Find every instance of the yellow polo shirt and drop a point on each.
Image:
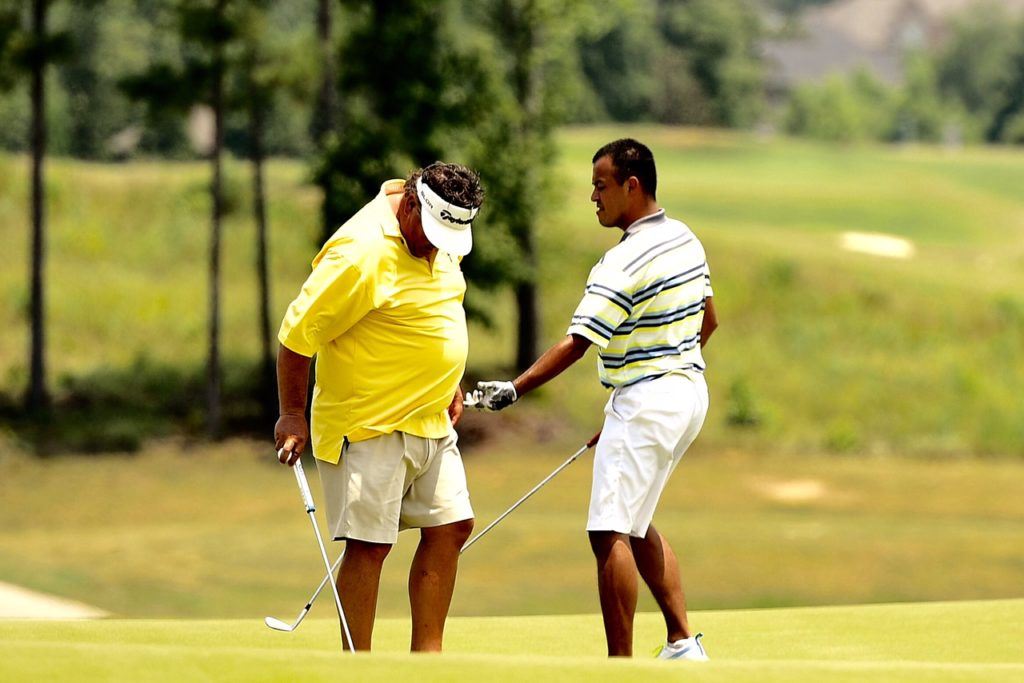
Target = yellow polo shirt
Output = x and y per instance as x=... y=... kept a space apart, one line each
x=388 y=331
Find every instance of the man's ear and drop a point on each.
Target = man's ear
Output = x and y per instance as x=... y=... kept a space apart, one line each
x=408 y=203
x=632 y=183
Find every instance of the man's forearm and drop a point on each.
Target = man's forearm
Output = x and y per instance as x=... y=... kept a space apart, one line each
x=292 y=381
x=554 y=361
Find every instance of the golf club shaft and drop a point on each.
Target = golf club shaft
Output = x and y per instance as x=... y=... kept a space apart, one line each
x=307 y=498
x=319 y=589
x=532 y=491
x=323 y=582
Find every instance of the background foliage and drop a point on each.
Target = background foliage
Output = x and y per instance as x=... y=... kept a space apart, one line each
x=669 y=61
x=489 y=83
x=820 y=350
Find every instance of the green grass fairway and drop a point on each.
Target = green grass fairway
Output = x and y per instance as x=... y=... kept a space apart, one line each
x=958 y=641
x=203 y=531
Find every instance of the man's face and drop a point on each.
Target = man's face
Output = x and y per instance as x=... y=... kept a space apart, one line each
x=411 y=225
x=610 y=196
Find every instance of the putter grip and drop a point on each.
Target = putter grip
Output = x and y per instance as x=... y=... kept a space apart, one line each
x=300 y=476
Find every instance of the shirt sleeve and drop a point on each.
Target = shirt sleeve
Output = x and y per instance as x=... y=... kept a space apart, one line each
x=606 y=303
x=707 y=281
x=335 y=296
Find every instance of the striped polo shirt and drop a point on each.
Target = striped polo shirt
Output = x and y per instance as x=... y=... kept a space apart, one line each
x=644 y=303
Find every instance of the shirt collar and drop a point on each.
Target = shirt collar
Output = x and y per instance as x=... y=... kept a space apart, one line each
x=648 y=220
x=388 y=219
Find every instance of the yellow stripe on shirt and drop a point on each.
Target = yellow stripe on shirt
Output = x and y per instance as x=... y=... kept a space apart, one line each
x=644 y=304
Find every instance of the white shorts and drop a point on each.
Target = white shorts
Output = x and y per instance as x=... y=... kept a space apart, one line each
x=393 y=482
x=647 y=428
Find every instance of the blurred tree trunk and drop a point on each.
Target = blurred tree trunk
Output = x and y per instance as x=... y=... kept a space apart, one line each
x=526 y=305
x=213 y=375
x=37 y=398
x=268 y=384
x=325 y=114
x=520 y=38
x=1012 y=107
x=394 y=118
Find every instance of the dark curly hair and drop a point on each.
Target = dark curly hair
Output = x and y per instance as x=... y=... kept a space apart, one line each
x=456 y=184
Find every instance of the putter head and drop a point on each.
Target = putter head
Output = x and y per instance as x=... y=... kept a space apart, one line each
x=278 y=625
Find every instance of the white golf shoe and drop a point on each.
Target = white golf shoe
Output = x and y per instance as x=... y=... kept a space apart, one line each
x=687 y=648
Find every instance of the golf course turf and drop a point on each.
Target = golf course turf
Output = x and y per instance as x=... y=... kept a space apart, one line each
x=860 y=455
x=956 y=641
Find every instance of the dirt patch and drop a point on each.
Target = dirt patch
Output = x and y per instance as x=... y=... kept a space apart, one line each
x=21 y=603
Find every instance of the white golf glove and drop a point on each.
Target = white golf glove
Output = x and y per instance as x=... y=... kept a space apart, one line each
x=492 y=396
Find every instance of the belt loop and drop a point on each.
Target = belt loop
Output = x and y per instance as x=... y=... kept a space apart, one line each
x=344 y=446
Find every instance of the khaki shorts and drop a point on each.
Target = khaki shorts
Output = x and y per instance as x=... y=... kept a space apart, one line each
x=394 y=482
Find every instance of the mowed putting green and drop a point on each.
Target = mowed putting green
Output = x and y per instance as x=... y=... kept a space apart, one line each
x=962 y=641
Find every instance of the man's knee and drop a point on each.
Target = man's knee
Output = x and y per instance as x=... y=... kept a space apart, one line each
x=651 y=541
x=603 y=542
x=369 y=552
x=459 y=531
x=456 y=533
x=463 y=529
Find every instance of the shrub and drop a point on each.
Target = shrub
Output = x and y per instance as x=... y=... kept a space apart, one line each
x=742 y=410
x=841 y=109
x=1013 y=134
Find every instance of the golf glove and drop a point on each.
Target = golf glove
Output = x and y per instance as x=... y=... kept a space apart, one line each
x=494 y=395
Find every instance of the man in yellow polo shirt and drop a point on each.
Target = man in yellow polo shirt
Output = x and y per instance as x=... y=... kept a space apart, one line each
x=382 y=312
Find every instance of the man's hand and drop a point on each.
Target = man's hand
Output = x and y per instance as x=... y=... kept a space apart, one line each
x=493 y=395
x=290 y=436
x=455 y=407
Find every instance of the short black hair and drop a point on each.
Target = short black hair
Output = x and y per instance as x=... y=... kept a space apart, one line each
x=631 y=158
x=455 y=184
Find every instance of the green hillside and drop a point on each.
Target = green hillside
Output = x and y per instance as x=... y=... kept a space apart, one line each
x=967 y=641
x=820 y=349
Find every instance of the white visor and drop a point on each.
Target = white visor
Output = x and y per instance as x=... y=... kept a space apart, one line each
x=447 y=226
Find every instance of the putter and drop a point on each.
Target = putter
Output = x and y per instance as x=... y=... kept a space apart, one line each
x=572 y=458
x=279 y=625
x=307 y=499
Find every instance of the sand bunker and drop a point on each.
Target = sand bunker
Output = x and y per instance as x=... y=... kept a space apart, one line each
x=21 y=603
x=794 y=491
x=877 y=244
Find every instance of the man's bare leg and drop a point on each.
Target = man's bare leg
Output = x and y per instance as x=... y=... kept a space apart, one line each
x=617 y=587
x=660 y=570
x=358 y=583
x=432 y=582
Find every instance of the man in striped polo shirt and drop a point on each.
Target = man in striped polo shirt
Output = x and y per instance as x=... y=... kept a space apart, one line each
x=648 y=308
